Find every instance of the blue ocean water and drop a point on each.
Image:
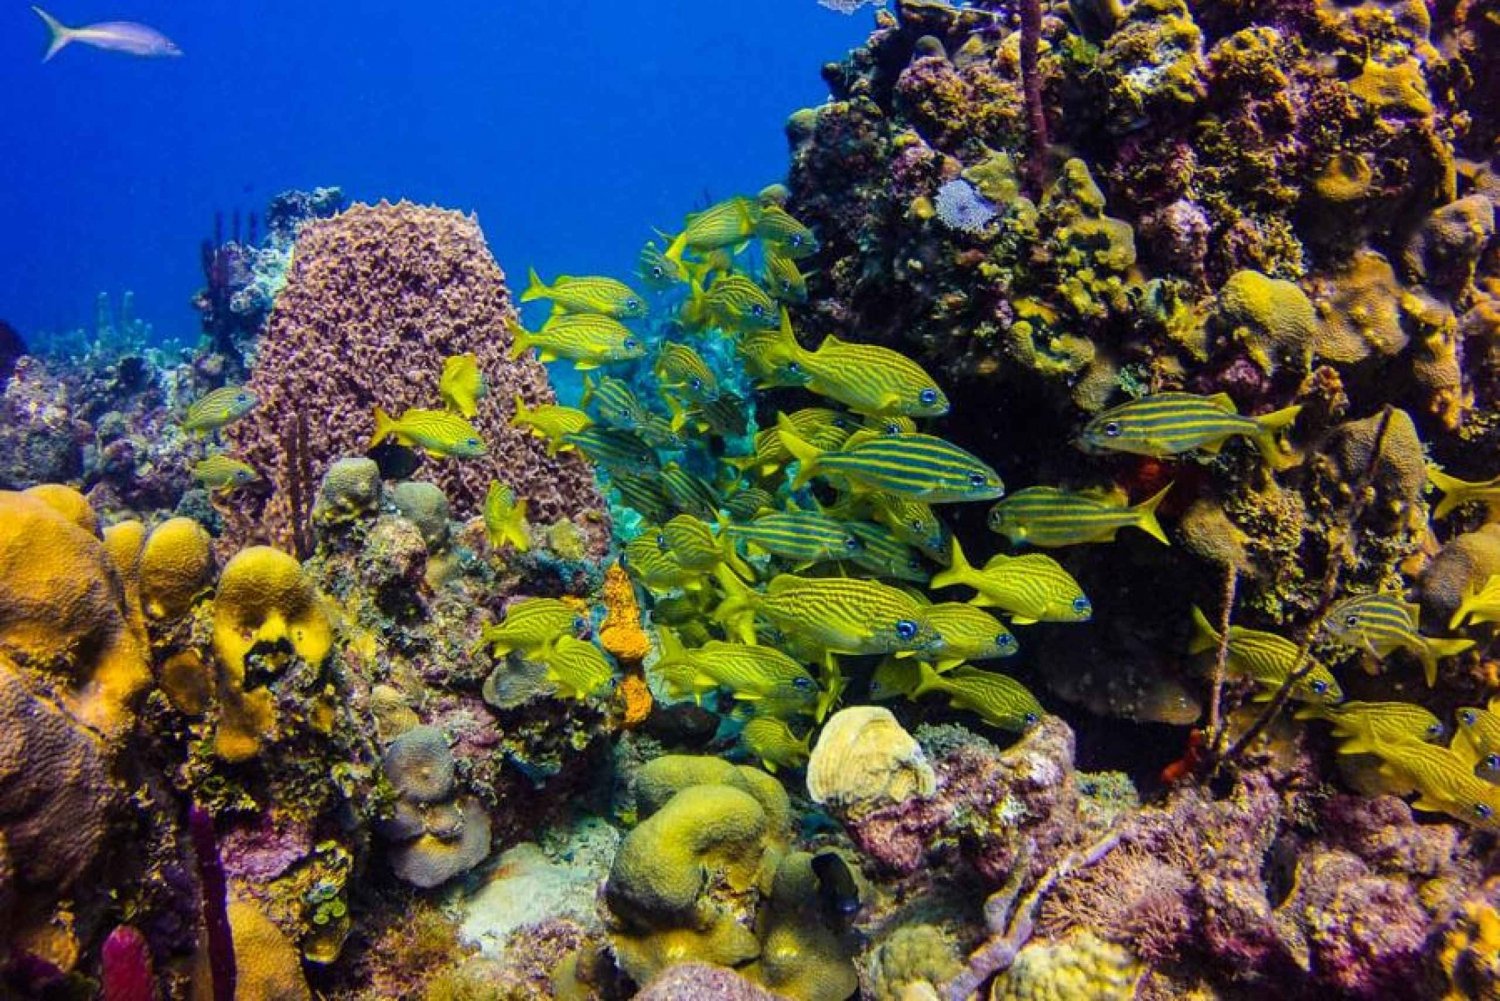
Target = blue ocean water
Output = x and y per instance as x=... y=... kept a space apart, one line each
x=570 y=128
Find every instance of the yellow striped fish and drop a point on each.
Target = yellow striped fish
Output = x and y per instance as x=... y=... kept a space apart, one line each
x=505 y=517
x=1443 y=780
x=1482 y=605
x=818 y=426
x=1380 y=624
x=1266 y=659
x=657 y=270
x=745 y=504
x=883 y=554
x=834 y=614
x=870 y=379
x=681 y=369
x=724 y=417
x=969 y=633
x=644 y=494
x=1030 y=588
x=550 y=422
x=895 y=676
x=693 y=542
x=1478 y=737
x=771 y=356
x=782 y=277
x=919 y=466
x=776 y=683
x=1456 y=492
x=777 y=227
x=772 y=741
x=461 y=385
x=577 y=667
x=689 y=493
x=617 y=451
x=586 y=339
x=217 y=408
x=614 y=403
x=734 y=302
x=998 y=699
x=1049 y=517
x=436 y=432
x=532 y=624
x=721 y=225
x=804 y=537
x=914 y=522
x=1363 y=726
x=223 y=473
x=591 y=294
x=1174 y=423
x=654 y=566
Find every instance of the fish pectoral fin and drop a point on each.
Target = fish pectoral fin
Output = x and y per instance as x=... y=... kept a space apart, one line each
x=1023 y=620
x=1222 y=401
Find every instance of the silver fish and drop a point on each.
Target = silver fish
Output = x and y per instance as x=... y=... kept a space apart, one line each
x=114 y=36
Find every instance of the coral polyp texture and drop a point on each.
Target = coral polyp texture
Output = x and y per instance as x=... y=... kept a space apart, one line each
x=375 y=299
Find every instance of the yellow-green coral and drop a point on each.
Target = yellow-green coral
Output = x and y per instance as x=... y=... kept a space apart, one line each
x=1273 y=319
x=176 y=565
x=1401 y=88
x=1080 y=966
x=1360 y=309
x=1347 y=177
x=800 y=956
x=662 y=778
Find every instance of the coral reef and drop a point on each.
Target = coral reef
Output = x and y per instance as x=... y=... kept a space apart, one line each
x=376 y=298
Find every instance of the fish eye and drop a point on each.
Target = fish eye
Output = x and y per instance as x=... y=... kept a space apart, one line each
x=658 y=271
x=914 y=565
x=1319 y=687
x=928 y=396
x=786 y=285
x=1467 y=716
x=632 y=304
x=793 y=367
x=850 y=542
x=1004 y=640
x=631 y=344
x=1436 y=730
x=1351 y=620
x=579 y=624
x=661 y=541
x=1111 y=429
x=1081 y=606
x=978 y=479
x=1032 y=719
x=1492 y=761
x=1483 y=811
x=696 y=383
x=906 y=629
x=916 y=524
x=803 y=684
x=624 y=558
x=473 y=442
x=796 y=240
x=242 y=397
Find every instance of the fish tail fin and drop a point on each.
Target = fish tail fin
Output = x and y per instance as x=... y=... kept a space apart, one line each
x=1452 y=489
x=674 y=249
x=1465 y=608
x=520 y=413
x=1145 y=511
x=959 y=567
x=805 y=453
x=590 y=390
x=1267 y=427
x=61 y=34
x=928 y=679
x=1435 y=649
x=732 y=559
x=1205 y=636
x=737 y=611
x=385 y=426
x=520 y=337
x=535 y=287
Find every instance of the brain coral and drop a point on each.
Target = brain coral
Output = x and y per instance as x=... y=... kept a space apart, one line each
x=377 y=297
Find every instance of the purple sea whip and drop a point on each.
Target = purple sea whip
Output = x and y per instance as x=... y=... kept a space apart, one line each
x=1031 y=86
x=215 y=902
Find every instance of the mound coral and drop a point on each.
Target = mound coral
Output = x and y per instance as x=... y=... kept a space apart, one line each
x=376 y=298
x=176 y=565
x=64 y=608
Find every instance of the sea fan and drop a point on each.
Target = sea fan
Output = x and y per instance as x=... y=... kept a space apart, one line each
x=960 y=206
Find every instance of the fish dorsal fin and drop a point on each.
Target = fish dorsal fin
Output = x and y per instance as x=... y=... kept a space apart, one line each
x=830 y=341
x=1222 y=401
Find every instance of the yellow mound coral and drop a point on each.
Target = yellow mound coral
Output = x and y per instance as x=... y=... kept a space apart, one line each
x=1347 y=178
x=662 y=778
x=864 y=759
x=67 y=502
x=1361 y=311
x=1273 y=319
x=64 y=609
x=621 y=634
x=267 y=967
x=264 y=600
x=1080 y=966
x=1400 y=89
x=176 y=565
x=800 y=955
x=123 y=541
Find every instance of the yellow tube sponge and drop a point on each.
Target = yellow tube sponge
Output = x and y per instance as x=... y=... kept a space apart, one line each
x=177 y=564
x=264 y=600
x=64 y=610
